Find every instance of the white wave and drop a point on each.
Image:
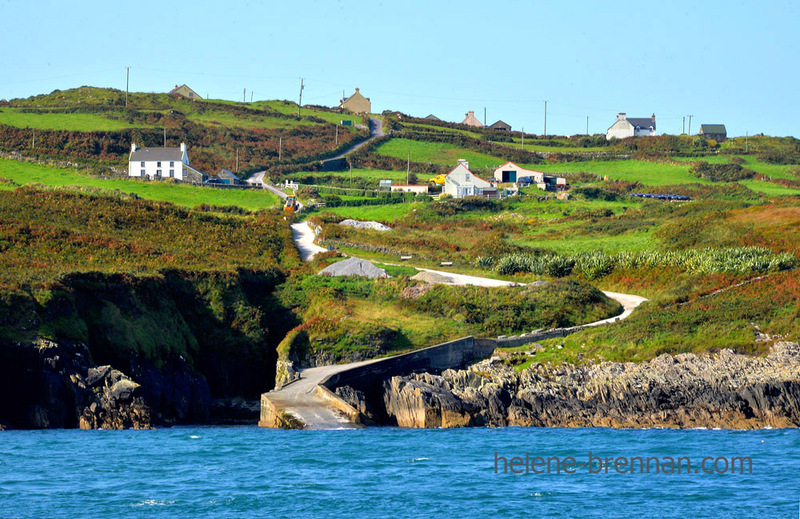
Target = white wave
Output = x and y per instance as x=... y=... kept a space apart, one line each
x=154 y=502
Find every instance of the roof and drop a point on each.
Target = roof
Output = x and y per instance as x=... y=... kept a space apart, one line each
x=162 y=154
x=228 y=173
x=468 y=171
x=177 y=89
x=520 y=168
x=642 y=122
x=500 y=124
x=432 y=117
x=713 y=128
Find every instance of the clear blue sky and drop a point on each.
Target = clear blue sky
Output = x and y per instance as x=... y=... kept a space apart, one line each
x=730 y=62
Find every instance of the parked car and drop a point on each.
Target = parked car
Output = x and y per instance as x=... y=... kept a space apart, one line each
x=524 y=181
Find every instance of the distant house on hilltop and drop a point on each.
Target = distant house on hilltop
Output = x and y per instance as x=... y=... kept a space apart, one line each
x=500 y=125
x=157 y=163
x=185 y=91
x=461 y=182
x=356 y=103
x=471 y=120
x=432 y=117
x=716 y=132
x=625 y=127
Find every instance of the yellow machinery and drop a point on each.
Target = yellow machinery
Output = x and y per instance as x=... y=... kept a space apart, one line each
x=291 y=204
x=438 y=180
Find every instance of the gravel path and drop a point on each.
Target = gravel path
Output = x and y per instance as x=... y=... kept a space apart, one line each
x=304 y=239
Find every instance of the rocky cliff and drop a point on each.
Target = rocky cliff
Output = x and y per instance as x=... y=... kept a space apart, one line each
x=725 y=389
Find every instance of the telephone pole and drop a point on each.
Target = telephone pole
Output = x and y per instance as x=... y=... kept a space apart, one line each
x=127 y=83
x=251 y=96
x=300 y=102
x=545 y=119
x=237 y=161
x=280 y=147
x=523 y=138
x=337 y=134
x=165 y=136
x=683 y=131
x=484 y=116
x=690 y=123
x=408 y=167
x=587 y=125
x=244 y=95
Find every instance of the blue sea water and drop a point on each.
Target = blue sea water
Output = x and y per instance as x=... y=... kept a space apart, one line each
x=231 y=472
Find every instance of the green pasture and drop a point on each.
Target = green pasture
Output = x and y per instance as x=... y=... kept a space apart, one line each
x=437 y=153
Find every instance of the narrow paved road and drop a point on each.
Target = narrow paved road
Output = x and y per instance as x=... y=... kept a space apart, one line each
x=375 y=131
x=300 y=398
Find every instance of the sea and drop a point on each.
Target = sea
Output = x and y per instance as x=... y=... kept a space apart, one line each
x=232 y=472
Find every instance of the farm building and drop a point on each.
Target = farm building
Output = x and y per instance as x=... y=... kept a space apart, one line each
x=471 y=120
x=185 y=91
x=461 y=182
x=158 y=163
x=510 y=172
x=228 y=177
x=501 y=126
x=410 y=188
x=625 y=127
x=432 y=117
x=356 y=103
x=716 y=132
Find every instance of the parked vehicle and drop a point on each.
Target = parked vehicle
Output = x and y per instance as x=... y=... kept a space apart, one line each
x=437 y=180
x=291 y=204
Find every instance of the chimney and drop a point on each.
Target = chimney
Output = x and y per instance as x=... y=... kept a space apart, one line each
x=621 y=116
x=183 y=148
x=464 y=161
x=176 y=86
x=654 y=118
x=356 y=90
x=133 y=147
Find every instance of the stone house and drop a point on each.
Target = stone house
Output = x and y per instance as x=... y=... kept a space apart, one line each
x=625 y=127
x=500 y=125
x=356 y=103
x=716 y=132
x=471 y=120
x=186 y=92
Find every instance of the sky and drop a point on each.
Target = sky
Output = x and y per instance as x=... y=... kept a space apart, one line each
x=727 y=62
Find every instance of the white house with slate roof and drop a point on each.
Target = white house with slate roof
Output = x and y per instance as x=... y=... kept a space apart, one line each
x=626 y=127
x=159 y=162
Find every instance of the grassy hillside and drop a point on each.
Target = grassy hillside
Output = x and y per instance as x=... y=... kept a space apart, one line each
x=25 y=173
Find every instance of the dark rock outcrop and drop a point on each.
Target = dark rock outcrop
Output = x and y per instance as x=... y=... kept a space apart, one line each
x=117 y=403
x=721 y=390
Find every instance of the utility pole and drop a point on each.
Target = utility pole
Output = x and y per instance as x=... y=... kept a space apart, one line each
x=237 y=161
x=484 y=116
x=127 y=83
x=300 y=102
x=244 y=95
x=408 y=167
x=337 y=134
x=587 y=125
x=746 y=135
x=33 y=144
x=683 y=131
x=545 y=119
x=690 y=123
x=251 y=96
x=351 y=174
x=523 y=138
x=280 y=147
x=165 y=136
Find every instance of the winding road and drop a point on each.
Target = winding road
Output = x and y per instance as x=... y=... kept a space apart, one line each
x=301 y=398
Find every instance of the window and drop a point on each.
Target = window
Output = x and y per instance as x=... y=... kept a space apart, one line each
x=158 y=165
x=158 y=173
x=171 y=173
x=142 y=163
x=142 y=172
x=172 y=164
x=466 y=177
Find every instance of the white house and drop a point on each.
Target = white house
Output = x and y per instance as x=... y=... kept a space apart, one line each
x=462 y=182
x=625 y=127
x=159 y=162
x=410 y=188
x=510 y=172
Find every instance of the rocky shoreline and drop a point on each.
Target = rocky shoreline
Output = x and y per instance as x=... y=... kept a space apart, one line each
x=725 y=389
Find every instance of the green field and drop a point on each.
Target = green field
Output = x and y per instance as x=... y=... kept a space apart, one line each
x=768 y=188
x=431 y=127
x=78 y=122
x=380 y=213
x=181 y=194
x=287 y=107
x=358 y=173
x=648 y=173
x=437 y=153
